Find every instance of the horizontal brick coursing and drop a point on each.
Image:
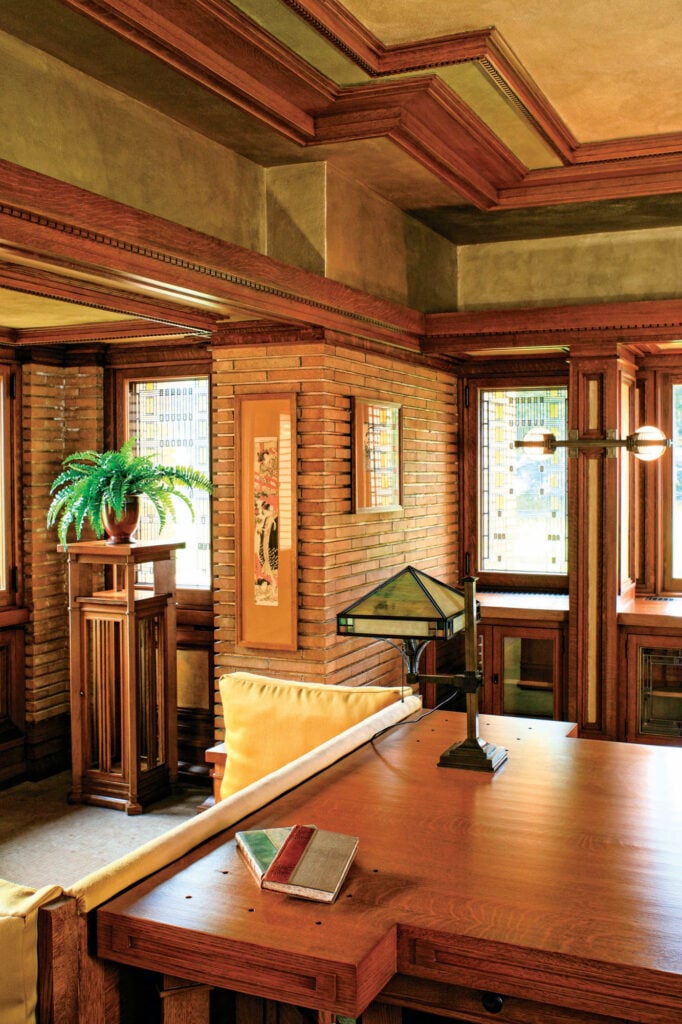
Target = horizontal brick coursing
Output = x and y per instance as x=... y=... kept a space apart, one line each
x=341 y=554
x=62 y=412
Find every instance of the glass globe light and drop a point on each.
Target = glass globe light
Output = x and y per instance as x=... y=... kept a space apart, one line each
x=650 y=450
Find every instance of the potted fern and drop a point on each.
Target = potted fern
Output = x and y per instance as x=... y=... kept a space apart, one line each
x=104 y=488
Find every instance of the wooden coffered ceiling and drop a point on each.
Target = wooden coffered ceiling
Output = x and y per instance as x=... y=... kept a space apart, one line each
x=486 y=120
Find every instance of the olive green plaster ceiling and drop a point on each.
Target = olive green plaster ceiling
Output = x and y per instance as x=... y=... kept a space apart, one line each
x=607 y=74
x=18 y=308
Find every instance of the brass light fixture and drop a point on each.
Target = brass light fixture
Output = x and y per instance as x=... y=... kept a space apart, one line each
x=646 y=443
x=415 y=608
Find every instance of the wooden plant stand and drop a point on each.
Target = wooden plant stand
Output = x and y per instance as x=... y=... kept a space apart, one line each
x=123 y=674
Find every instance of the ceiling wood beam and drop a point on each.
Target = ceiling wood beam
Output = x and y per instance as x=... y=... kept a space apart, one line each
x=44 y=283
x=222 y=50
x=425 y=118
x=72 y=231
x=127 y=331
x=457 y=334
x=615 y=179
x=217 y=46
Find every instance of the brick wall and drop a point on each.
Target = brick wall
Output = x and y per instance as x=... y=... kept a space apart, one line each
x=62 y=413
x=341 y=555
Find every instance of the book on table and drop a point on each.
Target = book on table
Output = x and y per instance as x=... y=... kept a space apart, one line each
x=259 y=846
x=310 y=862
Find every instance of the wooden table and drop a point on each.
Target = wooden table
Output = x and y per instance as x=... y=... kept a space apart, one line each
x=555 y=883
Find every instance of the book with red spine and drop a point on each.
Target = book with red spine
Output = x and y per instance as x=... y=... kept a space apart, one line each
x=259 y=848
x=312 y=863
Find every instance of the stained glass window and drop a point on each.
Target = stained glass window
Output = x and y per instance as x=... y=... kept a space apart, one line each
x=522 y=511
x=171 y=421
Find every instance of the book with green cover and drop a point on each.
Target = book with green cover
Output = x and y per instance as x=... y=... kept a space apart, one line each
x=259 y=847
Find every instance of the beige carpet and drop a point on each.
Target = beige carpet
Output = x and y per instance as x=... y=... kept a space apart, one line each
x=45 y=840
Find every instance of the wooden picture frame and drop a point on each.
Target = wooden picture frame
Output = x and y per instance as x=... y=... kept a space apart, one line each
x=377 y=455
x=268 y=591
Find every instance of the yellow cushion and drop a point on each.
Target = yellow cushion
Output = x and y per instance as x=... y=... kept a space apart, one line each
x=19 y=949
x=269 y=722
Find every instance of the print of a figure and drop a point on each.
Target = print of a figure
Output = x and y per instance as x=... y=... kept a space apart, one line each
x=266 y=508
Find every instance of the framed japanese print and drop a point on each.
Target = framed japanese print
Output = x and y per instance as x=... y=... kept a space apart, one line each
x=267 y=534
x=377 y=482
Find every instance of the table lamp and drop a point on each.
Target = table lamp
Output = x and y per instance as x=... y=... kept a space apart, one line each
x=416 y=608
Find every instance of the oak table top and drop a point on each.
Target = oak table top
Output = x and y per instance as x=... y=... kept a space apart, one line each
x=557 y=879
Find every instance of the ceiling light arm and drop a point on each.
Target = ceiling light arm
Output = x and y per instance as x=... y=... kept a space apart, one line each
x=647 y=443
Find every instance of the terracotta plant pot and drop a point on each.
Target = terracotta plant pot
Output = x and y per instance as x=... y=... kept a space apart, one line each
x=120 y=529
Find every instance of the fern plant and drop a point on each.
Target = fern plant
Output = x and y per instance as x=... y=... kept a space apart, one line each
x=89 y=480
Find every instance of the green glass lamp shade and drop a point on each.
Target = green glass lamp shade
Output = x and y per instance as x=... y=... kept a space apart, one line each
x=409 y=604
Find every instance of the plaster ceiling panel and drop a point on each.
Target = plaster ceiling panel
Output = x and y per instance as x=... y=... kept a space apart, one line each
x=390 y=172
x=611 y=70
x=18 y=309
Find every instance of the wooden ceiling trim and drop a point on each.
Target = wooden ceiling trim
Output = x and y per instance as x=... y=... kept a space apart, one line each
x=648 y=320
x=77 y=231
x=485 y=46
x=226 y=53
x=139 y=330
x=223 y=50
x=617 y=179
x=636 y=147
x=47 y=284
x=425 y=118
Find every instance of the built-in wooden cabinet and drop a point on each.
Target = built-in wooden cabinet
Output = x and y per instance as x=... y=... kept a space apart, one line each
x=650 y=697
x=522 y=641
x=523 y=670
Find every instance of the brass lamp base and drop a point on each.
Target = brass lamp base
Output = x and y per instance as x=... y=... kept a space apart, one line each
x=474 y=754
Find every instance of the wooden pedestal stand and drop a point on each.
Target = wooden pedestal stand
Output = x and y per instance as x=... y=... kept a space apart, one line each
x=123 y=674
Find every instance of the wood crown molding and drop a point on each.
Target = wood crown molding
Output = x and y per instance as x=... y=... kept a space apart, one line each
x=78 y=233
x=426 y=119
x=105 y=333
x=488 y=48
x=553 y=327
x=220 y=48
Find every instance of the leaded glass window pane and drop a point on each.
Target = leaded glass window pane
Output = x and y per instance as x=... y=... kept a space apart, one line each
x=170 y=419
x=523 y=511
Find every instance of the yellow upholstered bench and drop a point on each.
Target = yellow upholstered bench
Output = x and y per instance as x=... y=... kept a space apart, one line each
x=270 y=722
x=77 y=987
x=19 y=949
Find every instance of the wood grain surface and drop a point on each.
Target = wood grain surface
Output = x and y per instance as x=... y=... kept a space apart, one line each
x=558 y=879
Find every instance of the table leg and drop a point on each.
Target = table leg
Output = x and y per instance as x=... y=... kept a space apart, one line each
x=382 y=1013
x=184 y=1002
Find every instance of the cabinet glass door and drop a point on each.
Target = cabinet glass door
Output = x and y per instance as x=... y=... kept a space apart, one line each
x=524 y=675
x=660 y=692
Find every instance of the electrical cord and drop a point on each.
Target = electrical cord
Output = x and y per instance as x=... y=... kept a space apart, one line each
x=415 y=721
